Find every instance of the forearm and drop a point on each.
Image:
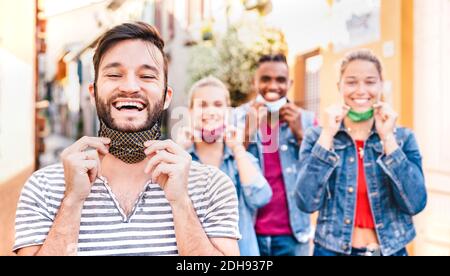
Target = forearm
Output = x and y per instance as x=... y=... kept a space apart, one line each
x=326 y=140
x=246 y=168
x=318 y=164
x=407 y=179
x=389 y=143
x=191 y=238
x=62 y=239
x=249 y=138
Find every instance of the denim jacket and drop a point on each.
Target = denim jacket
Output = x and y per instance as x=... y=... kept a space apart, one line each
x=250 y=197
x=395 y=183
x=288 y=149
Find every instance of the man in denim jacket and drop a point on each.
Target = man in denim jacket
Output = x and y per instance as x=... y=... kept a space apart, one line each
x=274 y=130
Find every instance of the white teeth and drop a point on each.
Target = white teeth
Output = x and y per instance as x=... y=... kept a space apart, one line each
x=133 y=104
x=361 y=101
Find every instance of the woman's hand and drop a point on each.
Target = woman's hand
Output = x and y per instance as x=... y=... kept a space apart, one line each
x=185 y=138
x=234 y=140
x=385 y=122
x=332 y=123
x=385 y=119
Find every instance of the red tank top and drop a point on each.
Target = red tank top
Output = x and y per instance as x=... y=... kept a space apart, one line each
x=364 y=217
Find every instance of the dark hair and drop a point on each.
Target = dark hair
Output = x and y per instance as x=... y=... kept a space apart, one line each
x=365 y=55
x=272 y=58
x=129 y=31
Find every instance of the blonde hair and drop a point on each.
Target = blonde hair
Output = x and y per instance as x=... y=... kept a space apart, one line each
x=365 y=55
x=209 y=81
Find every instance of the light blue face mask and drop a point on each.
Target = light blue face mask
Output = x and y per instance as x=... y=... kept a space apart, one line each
x=272 y=107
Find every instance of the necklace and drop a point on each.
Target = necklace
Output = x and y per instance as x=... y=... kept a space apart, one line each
x=361 y=152
x=359 y=130
x=359 y=149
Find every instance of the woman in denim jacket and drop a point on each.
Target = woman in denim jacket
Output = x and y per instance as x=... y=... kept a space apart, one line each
x=361 y=172
x=215 y=143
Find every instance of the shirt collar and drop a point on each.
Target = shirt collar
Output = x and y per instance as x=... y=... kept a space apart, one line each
x=227 y=153
x=343 y=129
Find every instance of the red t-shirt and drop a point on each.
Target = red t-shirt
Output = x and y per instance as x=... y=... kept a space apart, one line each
x=273 y=219
x=364 y=217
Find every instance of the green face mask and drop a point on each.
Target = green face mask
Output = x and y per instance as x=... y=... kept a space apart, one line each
x=360 y=116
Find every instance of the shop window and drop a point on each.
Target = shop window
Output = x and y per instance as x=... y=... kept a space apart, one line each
x=307 y=80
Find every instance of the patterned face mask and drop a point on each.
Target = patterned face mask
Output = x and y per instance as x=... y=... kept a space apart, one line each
x=129 y=147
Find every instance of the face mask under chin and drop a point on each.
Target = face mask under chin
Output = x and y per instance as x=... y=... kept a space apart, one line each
x=214 y=135
x=358 y=117
x=129 y=146
x=272 y=107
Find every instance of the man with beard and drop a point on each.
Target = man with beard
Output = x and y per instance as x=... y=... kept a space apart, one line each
x=125 y=192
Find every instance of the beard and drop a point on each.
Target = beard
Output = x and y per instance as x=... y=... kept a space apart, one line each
x=154 y=112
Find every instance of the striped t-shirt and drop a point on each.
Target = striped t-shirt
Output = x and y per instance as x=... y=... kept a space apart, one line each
x=105 y=229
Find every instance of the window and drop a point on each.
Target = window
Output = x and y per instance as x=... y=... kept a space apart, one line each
x=307 y=80
x=312 y=83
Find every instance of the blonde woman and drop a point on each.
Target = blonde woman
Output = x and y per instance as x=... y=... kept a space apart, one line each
x=212 y=141
x=360 y=171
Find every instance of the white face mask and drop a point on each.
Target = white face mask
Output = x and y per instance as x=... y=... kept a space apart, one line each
x=272 y=107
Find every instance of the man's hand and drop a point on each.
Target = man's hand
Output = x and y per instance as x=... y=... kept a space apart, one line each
x=169 y=166
x=82 y=166
x=256 y=116
x=292 y=114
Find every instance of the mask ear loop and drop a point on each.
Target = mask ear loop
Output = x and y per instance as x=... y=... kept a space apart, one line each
x=341 y=96
x=380 y=94
x=342 y=103
x=100 y=120
x=161 y=116
x=379 y=98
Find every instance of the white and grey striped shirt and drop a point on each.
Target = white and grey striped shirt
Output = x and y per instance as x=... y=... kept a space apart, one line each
x=104 y=228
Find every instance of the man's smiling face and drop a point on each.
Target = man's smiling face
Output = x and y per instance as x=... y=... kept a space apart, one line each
x=130 y=89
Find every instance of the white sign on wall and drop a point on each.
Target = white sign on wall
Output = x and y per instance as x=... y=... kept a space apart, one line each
x=355 y=23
